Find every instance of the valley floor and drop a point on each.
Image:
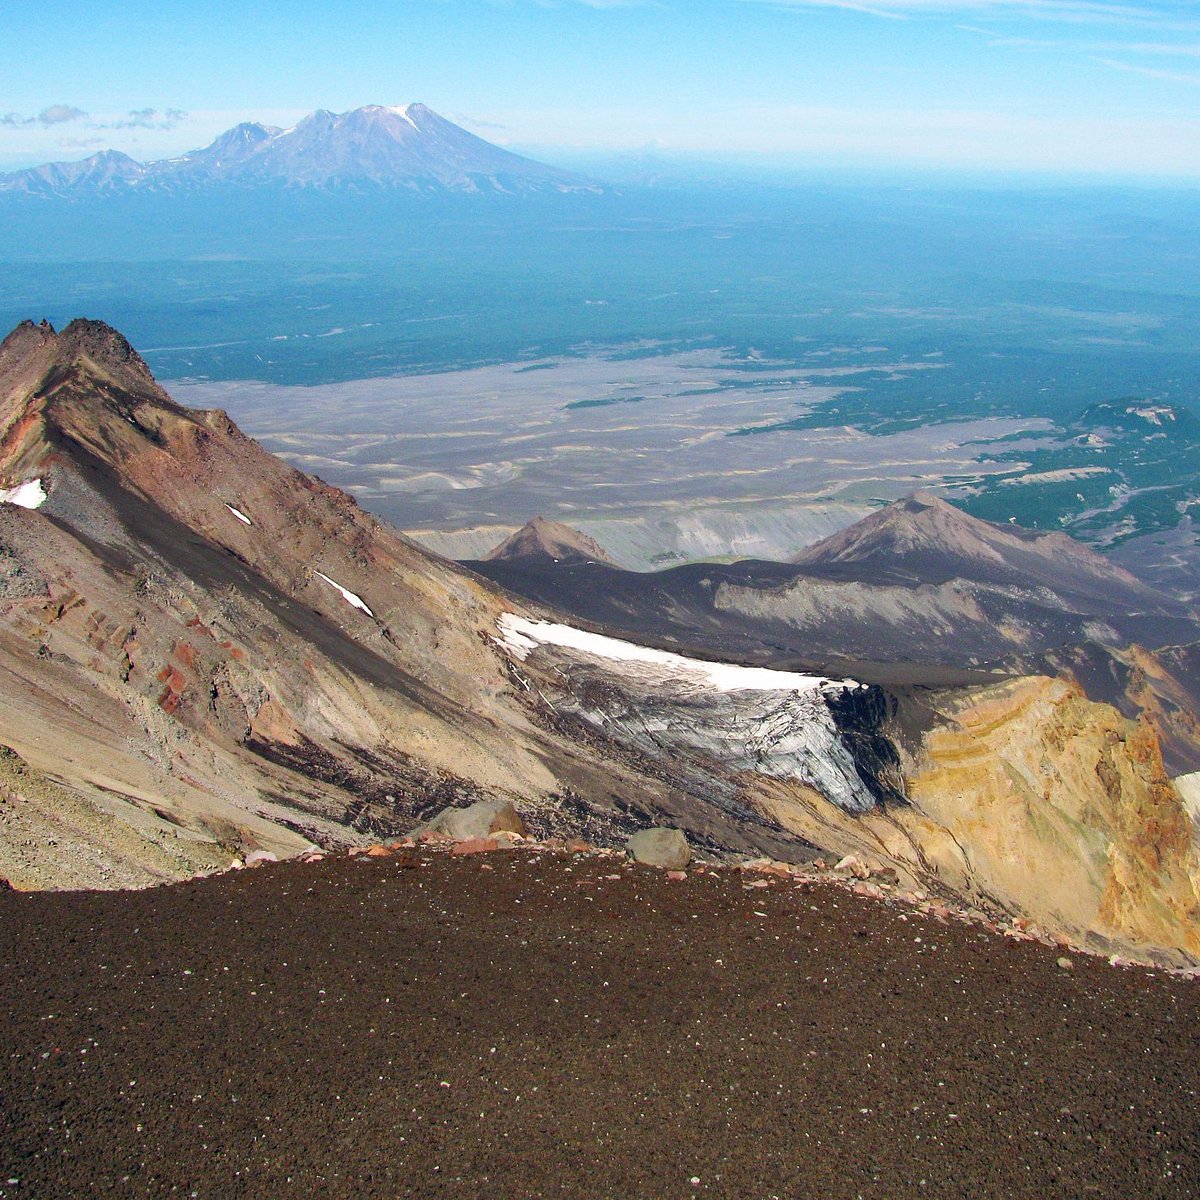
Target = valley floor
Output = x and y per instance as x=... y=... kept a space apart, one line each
x=528 y=1024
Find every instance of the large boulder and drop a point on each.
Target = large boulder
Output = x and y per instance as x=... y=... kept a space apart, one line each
x=666 y=848
x=479 y=820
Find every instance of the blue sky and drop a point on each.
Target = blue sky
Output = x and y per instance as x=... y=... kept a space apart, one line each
x=1101 y=86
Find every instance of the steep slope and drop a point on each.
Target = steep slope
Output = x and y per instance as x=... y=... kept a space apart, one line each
x=549 y=541
x=410 y=148
x=210 y=646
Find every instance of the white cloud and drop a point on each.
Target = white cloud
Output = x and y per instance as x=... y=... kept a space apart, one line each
x=55 y=114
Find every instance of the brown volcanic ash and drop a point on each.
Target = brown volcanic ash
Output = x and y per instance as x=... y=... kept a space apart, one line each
x=549 y=540
x=357 y=1029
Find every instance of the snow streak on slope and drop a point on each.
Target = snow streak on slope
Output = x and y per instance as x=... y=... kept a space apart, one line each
x=520 y=636
x=347 y=594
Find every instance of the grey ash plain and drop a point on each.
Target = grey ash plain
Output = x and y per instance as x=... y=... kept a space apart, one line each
x=638 y=448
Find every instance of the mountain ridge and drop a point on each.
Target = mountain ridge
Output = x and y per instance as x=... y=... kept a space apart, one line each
x=376 y=147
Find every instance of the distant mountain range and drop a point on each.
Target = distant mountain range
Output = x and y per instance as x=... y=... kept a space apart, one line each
x=377 y=147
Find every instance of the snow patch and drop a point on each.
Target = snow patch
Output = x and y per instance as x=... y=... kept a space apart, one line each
x=30 y=494
x=241 y=516
x=1154 y=413
x=402 y=112
x=1189 y=789
x=519 y=636
x=349 y=596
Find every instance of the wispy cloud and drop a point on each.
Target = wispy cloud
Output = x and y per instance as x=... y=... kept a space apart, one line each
x=146 y=118
x=476 y=122
x=1175 y=15
x=63 y=114
x=1108 y=53
x=55 y=114
x=1188 y=77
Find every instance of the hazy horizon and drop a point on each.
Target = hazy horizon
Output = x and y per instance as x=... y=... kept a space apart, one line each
x=1078 y=87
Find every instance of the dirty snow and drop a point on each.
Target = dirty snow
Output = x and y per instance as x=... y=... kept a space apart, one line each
x=1189 y=789
x=241 y=516
x=519 y=636
x=350 y=597
x=30 y=494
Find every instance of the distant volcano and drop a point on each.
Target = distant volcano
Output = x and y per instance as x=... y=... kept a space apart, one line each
x=549 y=540
x=377 y=147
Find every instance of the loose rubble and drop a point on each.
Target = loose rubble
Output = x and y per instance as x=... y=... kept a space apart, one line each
x=488 y=827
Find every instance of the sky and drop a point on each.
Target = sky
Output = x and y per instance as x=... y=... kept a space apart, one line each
x=1097 y=87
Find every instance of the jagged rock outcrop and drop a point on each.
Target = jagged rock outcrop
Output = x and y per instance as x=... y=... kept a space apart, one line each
x=1036 y=783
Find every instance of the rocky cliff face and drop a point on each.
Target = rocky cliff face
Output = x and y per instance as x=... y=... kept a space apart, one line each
x=1060 y=808
x=219 y=653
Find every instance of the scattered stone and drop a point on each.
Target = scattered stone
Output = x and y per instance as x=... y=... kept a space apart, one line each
x=1066 y=963
x=378 y=851
x=660 y=847
x=853 y=866
x=768 y=866
x=475 y=846
x=432 y=837
x=676 y=875
x=399 y=843
x=479 y=820
x=868 y=889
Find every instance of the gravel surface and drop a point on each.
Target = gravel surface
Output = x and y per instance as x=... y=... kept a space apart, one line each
x=524 y=1024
